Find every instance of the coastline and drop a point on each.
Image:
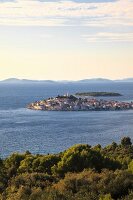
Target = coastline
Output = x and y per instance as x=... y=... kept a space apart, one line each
x=73 y=103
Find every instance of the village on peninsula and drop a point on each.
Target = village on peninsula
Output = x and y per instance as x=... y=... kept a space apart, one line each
x=79 y=103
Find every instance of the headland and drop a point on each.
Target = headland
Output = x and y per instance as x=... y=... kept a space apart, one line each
x=74 y=103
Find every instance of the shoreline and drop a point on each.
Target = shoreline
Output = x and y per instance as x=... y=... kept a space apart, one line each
x=73 y=103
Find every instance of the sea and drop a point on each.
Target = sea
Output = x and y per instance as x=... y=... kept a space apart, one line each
x=43 y=132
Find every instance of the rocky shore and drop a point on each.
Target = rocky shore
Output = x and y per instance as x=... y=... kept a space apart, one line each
x=73 y=103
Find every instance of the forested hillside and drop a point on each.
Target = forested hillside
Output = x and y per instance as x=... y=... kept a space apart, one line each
x=81 y=172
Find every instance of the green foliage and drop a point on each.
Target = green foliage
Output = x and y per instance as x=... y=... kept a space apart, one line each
x=121 y=154
x=3 y=177
x=41 y=164
x=106 y=197
x=81 y=172
x=13 y=162
x=98 y=94
x=26 y=164
x=129 y=196
x=130 y=166
x=126 y=141
x=99 y=184
x=45 y=163
x=77 y=158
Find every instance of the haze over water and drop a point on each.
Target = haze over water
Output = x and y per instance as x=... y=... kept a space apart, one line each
x=51 y=132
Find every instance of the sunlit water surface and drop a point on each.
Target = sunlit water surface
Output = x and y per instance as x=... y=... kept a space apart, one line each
x=50 y=132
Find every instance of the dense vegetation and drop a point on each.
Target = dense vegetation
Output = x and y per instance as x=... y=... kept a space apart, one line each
x=80 y=173
x=98 y=94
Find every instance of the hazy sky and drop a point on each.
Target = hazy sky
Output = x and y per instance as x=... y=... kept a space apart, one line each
x=54 y=39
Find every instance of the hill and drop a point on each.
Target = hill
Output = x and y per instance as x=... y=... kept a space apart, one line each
x=93 y=80
x=81 y=172
x=15 y=80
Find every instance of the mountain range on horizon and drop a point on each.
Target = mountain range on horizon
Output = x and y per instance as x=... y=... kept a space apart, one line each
x=93 y=80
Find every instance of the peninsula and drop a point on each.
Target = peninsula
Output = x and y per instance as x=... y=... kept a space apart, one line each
x=73 y=103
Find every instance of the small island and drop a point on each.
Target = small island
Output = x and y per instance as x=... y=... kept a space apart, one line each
x=98 y=94
x=73 y=103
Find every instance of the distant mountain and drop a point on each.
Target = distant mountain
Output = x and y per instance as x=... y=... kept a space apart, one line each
x=11 y=80
x=125 y=80
x=15 y=80
x=95 y=80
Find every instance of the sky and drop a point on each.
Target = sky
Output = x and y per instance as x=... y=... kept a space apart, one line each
x=66 y=39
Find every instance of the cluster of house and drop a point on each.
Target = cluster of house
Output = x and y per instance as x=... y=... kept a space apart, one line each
x=72 y=103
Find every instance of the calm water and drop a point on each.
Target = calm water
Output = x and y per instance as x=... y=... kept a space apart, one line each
x=49 y=132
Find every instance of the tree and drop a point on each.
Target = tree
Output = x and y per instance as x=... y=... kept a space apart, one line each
x=12 y=163
x=79 y=157
x=126 y=141
x=130 y=166
x=106 y=197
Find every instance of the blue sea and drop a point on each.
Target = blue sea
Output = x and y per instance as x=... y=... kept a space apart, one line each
x=43 y=132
